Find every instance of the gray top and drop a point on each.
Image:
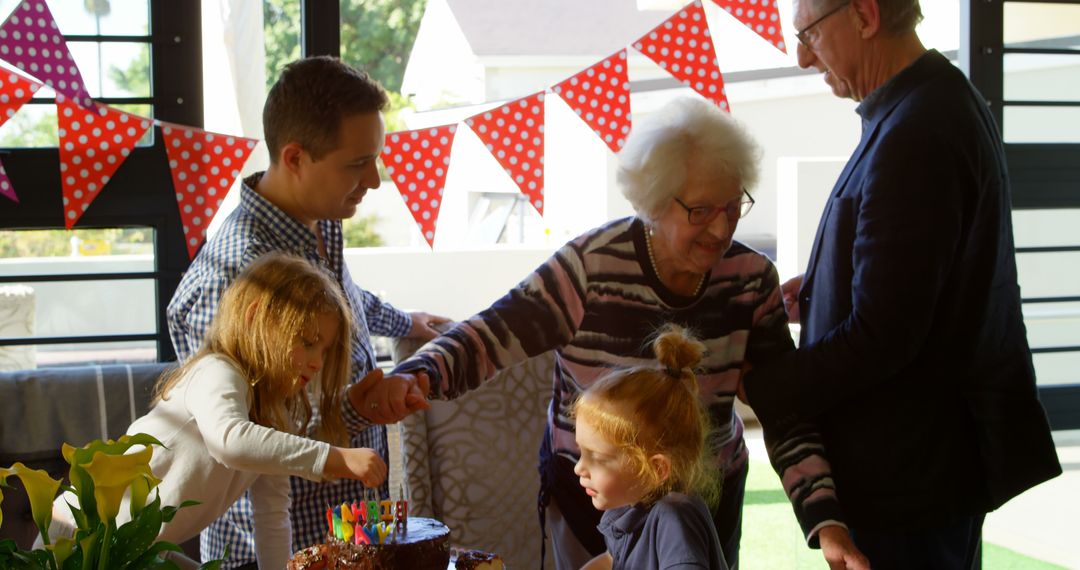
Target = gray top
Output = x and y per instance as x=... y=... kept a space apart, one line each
x=675 y=532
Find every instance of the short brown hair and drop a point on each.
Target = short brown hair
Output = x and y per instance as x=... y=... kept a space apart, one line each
x=309 y=100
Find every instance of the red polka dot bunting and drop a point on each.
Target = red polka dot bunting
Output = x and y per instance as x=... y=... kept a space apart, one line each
x=514 y=135
x=761 y=16
x=93 y=144
x=14 y=92
x=683 y=46
x=417 y=162
x=600 y=95
x=6 y=189
x=31 y=41
x=204 y=166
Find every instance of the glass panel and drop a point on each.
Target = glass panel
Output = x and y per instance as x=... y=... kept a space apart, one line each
x=281 y=30
x=1042 y=124
x=1052 y=324
x=118 y=69
x=1042 y=77
x=1057 y=368
x=1046 y=228
x=79 y=308
x=1031 y=24
x=1048 y=274
x=95 y=17
x=82 y=354
x=114 y=250
x=32 y=126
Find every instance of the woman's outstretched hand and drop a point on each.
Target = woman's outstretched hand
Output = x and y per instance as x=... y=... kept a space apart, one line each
x=358 y=463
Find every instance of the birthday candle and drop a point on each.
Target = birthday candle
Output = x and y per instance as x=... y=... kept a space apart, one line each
x=358 y=515
x=337 y=526
x=383 y=529
x=402 y=510
x=372 y=513
x=329 y=520
x=362 y=536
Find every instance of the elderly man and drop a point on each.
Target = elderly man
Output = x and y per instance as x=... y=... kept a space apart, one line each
x=913 y=362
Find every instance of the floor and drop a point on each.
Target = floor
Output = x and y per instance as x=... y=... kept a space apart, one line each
x=1043 y=523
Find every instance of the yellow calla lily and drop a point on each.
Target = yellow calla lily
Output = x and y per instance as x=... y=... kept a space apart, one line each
x=112 y=474
x=140 y=489
x=61 y=549
x=40 y=489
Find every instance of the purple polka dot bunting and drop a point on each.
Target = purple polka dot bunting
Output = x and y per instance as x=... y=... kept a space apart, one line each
x=31 y=41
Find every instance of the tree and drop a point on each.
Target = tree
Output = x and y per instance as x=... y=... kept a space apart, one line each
x=377 y=36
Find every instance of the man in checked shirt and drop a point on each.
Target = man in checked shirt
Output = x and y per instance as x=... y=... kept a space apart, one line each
x=324 y=129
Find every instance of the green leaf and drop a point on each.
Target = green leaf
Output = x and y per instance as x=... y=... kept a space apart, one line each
x=167 y=513
x=216 y=564
x=152 y=559
x=136 y=536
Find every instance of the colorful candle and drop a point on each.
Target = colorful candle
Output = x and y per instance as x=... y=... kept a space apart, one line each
x=358 y=515
x=387 y=511
x=362 y=536
x=383 y=529
x=329 y=520
x=372 y=513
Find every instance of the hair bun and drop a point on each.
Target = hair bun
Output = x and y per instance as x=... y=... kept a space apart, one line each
x=677 y=349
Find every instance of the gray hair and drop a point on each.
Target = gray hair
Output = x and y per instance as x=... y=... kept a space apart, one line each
x=897 y=16
x=653 y=163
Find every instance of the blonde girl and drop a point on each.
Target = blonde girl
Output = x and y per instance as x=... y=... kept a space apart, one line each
x=644 y=462
x=232 y=418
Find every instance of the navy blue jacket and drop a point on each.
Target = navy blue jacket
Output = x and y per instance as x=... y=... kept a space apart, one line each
x=913 y=358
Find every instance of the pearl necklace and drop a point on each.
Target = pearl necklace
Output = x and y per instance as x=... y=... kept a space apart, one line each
x=652 y=262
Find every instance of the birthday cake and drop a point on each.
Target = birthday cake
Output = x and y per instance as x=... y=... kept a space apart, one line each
x=419 y=544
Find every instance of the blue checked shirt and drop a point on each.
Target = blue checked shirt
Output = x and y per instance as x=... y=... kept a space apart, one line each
x=254 y=228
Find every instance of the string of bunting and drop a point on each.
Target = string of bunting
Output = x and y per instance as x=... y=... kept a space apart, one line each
x=96 y=139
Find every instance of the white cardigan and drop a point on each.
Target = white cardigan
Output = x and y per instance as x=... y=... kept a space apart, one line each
x=215 y=453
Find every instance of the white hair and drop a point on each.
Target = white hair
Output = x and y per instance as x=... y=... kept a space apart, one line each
x=653 y=163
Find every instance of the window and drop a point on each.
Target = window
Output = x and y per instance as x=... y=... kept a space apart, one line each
x=1025 y=58
x=138 y=56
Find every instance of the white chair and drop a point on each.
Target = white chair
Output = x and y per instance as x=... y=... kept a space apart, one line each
x=472 y=462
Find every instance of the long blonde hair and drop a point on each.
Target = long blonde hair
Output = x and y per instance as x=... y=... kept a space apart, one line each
x=260 y=318
x=648 y=410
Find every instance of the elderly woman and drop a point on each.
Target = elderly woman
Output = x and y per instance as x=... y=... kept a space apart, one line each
x=597 y=300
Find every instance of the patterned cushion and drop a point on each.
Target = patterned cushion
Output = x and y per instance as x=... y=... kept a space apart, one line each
x=472 y=462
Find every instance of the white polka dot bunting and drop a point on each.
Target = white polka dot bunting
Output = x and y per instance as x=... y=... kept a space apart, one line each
x=93 y=144
x=31 y=40
x=204 y=166
x=600 y=95
x=417 y=162
x=514 y=135
x=761 y=16
x=683 y=46
x=6 y=189
x=14 y=92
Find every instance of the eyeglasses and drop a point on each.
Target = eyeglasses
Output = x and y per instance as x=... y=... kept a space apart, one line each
x=802 y=36
x=701 y=215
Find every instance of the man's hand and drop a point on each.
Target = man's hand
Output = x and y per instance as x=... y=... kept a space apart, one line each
x=790 y=292
x=423 y=326
x=839 y=550
x=388 y=400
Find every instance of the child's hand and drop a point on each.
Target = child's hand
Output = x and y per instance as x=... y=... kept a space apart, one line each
x=355 y=463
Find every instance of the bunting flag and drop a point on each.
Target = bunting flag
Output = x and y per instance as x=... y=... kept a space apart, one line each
x=30 y=40
x=6 y=189
x=761 y=16
x=514 y=135
x=683 y=46
x=417 y=162
x=14 y=92
x=204 y=166
x=93 y=144
x=600 y=95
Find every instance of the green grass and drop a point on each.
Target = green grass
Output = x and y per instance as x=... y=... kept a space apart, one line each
x=771 y=537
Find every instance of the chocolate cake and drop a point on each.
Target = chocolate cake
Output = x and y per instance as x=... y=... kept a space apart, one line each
x=423 y=544
x=477 y=560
